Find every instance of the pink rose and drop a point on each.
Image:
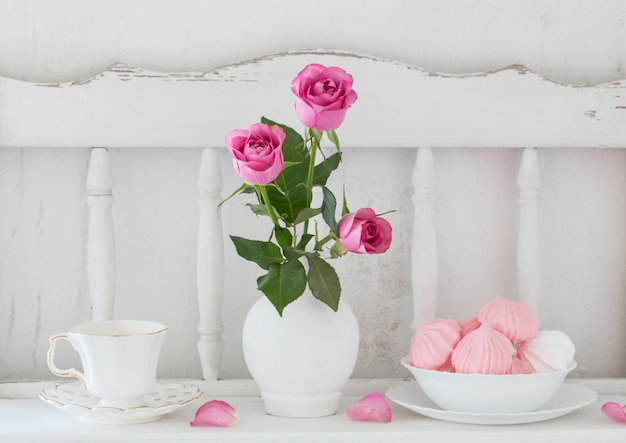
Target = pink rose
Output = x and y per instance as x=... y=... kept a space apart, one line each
x=257 y=154
x=324 y=96
x=363 y=232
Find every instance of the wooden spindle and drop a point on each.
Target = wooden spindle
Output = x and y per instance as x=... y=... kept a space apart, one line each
x=210 y=265
x=424 y=255
x=528 y=249
x=100 y=237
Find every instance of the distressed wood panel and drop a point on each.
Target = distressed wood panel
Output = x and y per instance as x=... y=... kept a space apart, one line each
x=406 y=106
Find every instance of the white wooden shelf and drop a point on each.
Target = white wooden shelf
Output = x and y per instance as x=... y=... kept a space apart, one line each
x=24 y=418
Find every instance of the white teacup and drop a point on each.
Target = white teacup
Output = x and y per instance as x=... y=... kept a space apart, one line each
x=119 y=359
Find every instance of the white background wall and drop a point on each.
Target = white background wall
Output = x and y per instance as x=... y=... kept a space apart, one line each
x=43 y=212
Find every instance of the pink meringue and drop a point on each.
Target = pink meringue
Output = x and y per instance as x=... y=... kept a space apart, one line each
x=524 y=366
x=548 y=351
x=468 y=325
x=483 y=351
x=433 y=343
x=511 y=318
x=518 y=368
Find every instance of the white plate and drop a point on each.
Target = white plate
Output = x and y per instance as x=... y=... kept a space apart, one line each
x=568 y=398
x=74 y=399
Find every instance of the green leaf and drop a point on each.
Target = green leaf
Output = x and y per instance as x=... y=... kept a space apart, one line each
x=344 y=206
x=244 y=188
x=329 y=206
x=290 y=204
x=325 y=168
x=293 y=175
x=283 y=283
x=283 y=236
x=323 y=281
x=317 y=135
x=306 y=214
x=262 y=253
x=293 y=141
x=258 y=209
x=292 y=155
x=293 y=253
x=332 y=136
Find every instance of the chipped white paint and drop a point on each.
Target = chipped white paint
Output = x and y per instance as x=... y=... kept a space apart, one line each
x=512 y=107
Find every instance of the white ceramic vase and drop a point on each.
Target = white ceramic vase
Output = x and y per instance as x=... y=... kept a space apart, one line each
x=301 y=360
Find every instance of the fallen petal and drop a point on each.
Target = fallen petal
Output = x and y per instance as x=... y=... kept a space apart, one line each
x=614 y=411
x=215 y=413
x=372 y=407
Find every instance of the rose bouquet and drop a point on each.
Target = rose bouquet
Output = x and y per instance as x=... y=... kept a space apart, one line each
x=282 y=168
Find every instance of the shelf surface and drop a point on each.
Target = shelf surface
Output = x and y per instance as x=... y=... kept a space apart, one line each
x=25 y=418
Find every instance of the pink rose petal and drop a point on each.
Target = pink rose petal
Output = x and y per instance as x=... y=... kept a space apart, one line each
x=372 y=407
x=615 y=411
x=215 y=413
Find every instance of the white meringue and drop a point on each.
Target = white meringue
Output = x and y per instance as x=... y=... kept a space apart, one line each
x=548 y=351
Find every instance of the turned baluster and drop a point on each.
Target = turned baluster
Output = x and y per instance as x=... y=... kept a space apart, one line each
x=528 y=250
x=100 y=235
x=210 y=265
x=424 y=255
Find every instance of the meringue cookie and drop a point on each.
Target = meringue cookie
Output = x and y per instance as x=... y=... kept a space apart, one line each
x=511 y=318
x=433 y=343
x=518 y=367
x=548 y=351
x=468 y=325
x=483 y=351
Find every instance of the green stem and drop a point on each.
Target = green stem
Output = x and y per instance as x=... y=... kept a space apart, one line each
x=319 y=244
x=270 y=210
x=309 y=182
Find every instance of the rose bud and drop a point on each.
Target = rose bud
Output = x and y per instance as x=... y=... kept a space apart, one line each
x=363 y=232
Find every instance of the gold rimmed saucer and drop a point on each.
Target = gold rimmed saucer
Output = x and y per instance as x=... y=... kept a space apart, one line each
x=74 y=399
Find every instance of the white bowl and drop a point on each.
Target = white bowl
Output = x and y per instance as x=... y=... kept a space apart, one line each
x=486 y=393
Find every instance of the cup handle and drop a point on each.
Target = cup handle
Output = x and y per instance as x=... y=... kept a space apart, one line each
x=71 y=372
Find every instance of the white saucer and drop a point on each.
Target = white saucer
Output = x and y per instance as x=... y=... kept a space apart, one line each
x=568 y=398
x=74 y=399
